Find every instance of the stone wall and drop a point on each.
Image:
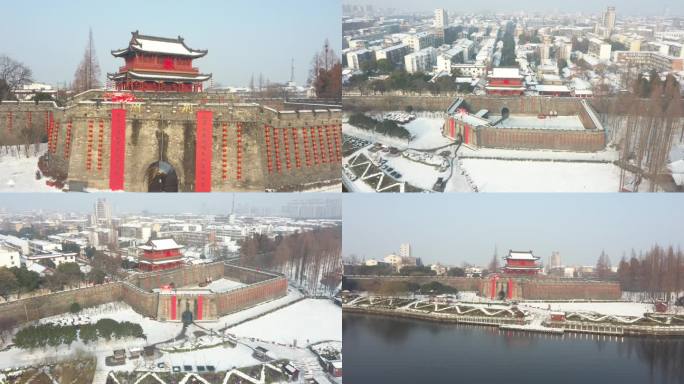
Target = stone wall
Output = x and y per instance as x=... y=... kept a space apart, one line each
x=16 y=117
x=246 y=275
x=253 y=148
x=182 y=277
x=587 y=140
x=526 y=104
x=34 y=308
x=552 y=289
x=251 y=295
x=136 y=292
x=372 y=283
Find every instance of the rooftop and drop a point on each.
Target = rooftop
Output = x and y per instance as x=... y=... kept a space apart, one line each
x=161 y=245
x=154 y=44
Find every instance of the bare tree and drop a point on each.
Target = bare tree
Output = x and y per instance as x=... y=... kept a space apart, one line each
x=87 y=74
x=12 y=75
x=603 y=266
x=494 y=264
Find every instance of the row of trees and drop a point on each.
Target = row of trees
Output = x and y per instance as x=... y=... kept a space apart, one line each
x=659 y=272
x=399 y=287
x=40 y=336
x=18 y=281
x=400 y=80
x=385 y=127
x=508 y=49
x=309 y=259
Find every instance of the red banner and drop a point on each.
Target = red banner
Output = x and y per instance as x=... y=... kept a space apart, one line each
x=117 y=150
x=203 y=151
x=199 y=307
x=173 y=307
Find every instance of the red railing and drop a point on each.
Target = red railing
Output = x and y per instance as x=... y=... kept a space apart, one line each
x=158 y=67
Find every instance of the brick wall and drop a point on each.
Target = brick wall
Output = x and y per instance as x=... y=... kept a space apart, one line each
x=550 y=289
x=588 y=141
x=156 y=131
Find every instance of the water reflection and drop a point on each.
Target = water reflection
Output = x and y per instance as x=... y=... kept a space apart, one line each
x=387 y=349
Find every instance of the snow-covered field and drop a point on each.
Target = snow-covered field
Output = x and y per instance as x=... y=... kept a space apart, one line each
x=427 y=132
x=220 y=285
x=611 y=308
x=154 y=330
x=542 y=176
x=307 y=321
x=417 y=174
x=18 y=172
x=606 y=155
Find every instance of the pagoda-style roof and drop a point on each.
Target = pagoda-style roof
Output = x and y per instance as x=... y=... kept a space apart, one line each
x=521 y=255
x=158 y=45
x=161 y=245
x=160 y=76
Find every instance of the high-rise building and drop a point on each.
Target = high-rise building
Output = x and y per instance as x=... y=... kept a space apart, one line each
x=555 y=260
x=405 y=250
x=441 y=18
x=103 y=212
x=609 y=19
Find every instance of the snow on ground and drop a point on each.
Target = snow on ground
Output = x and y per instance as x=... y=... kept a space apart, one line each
x=154 y=330
x=566 y=123
x=221 y=357
x=607 y=155
x=328 y=188
x=292 y=295
x=610 y=308
x=373 y=137
x=417 y=174
x=307 y=321
x=541 y=176
x=427 y=132
x=220 y=285
x=18 y=172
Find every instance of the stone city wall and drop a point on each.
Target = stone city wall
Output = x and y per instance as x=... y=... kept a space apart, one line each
x=373 y=283
x=236 y=147
x=567 y=140
x=551 y=289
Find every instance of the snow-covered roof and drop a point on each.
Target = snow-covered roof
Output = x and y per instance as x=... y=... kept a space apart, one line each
x=552 y=88
x=161 y=245
x=505 y=73
x=163 y=45
x=521 y=255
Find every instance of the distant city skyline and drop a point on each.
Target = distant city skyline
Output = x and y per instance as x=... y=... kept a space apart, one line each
x=243 y=37
x=624 y=7
x=194 y=203
x=455 y=228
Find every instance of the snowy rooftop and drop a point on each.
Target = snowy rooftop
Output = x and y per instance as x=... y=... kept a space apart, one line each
x=154 y=44
x=161 y=245
x=552 y=88
x=567 y=123
x=505 y=73
x=521 y=255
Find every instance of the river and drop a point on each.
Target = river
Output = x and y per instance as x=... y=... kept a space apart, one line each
x=389 y=350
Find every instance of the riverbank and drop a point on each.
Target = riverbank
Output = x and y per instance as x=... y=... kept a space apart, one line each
x=526 y=324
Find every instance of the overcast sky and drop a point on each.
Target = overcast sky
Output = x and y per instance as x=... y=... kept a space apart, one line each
x=197 y=203
x=627 y=7
x=242 y=36
x=455 y=227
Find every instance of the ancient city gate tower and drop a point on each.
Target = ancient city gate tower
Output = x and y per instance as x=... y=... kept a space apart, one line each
x=193 y=145
x=158 y=64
